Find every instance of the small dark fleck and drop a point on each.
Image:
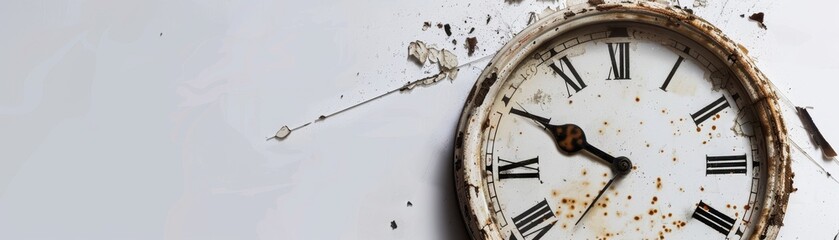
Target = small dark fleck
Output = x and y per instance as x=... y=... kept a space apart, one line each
x=471 y=30
x=758 y=17
x=454 y=41
x=439 y=25
x=161 y=34
x=742 y=15
x=392 y=225
x=448 y=29
x=342 y=96
x=426 y=25
x=410 y=204
x=322 y=117
x=488 y=18
x=471 y=44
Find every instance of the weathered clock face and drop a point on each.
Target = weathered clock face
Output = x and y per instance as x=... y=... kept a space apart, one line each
x=636 y=91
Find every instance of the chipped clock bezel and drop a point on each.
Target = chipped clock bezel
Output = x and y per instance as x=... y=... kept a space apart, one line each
x=468 y=162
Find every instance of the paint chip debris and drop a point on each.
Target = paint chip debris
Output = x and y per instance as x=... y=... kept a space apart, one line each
x=448 y=60
x=410 y=204
x=445 y=60
x=418 y=50
x=758 y=17
x=283 y=133
x=393 y=225
x=814 y=132
x=448 y=29
x=471 y=44
x=426 y=25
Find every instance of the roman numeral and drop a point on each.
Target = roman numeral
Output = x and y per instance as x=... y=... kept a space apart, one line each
x=620 y=61
x=505 y=168
x=577 y=83
x=673 y=71
x=713 y=218
x=725 y=164
x=533 y=217
x=710 y=110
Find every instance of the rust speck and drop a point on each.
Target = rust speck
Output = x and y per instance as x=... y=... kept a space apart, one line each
x=714 y=127
x=629 y=197
x=698 y=129
x=637 y=218
x=637 y=99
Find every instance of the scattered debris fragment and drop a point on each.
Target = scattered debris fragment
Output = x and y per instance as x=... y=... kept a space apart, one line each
x=758 y=17
x=817 y=136
x=742 y=15
x=439 y=25
x=700 y=3
x=471 y=30
x=448 y=29
x=282 y=133
x=410 y=204
x=595 y=2
x=161 y=34
x=426 y=25
x=454 y=42
x=393 y=225
x=488 y=18
x=471 y=44
x=453 y=73
x=418 y=50
x=447 y=60
x=433 y=54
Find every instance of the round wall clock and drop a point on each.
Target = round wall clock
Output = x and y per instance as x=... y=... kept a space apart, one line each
x=633 y=120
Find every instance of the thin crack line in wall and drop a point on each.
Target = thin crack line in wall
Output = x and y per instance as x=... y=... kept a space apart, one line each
x=285 y=131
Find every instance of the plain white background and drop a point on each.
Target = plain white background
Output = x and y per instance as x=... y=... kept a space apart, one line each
x=148 y=119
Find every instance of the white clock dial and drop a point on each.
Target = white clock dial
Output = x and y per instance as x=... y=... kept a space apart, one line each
x=657 y=99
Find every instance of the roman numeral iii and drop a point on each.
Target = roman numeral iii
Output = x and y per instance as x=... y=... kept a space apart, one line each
x=619 y=54
x=533 y=217
x=713 y=218
x=577 y=83
x=524 y=169
x=710 y=110
x=735 y=164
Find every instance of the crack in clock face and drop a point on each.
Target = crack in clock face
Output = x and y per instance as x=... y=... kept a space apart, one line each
x=638 y=92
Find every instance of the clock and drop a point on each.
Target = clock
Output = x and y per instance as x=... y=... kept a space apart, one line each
x=631 y=120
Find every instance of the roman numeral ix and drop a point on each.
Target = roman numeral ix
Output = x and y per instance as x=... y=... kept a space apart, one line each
x=619 y=54
x=713 y=218
x=528 y=220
